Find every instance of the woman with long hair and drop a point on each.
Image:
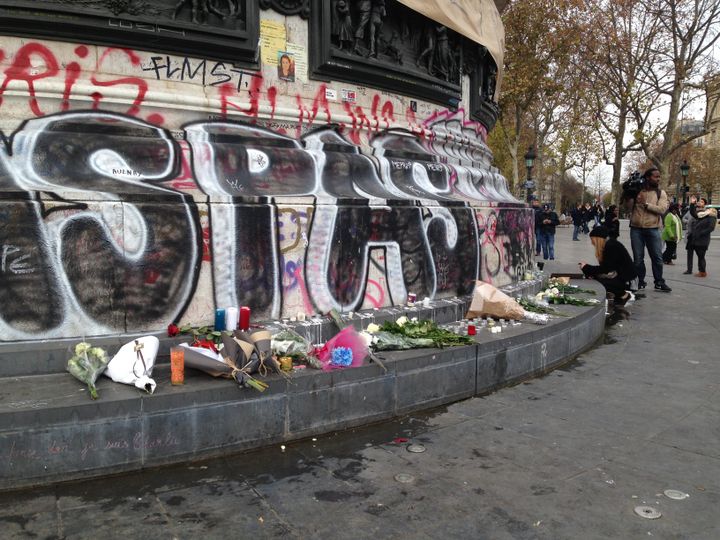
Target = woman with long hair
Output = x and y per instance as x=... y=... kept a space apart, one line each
x=615 y=266
x=704 y=221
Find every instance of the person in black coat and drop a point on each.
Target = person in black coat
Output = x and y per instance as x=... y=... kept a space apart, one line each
x=547 y=221
x=536 y=208
x=615 y=268
x=577 y=217
x=698 y=239
x=612 y=221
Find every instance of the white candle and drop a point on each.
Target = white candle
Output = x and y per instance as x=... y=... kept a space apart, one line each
x=231 y=318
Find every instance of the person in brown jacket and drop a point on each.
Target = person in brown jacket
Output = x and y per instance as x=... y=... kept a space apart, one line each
x=646 y=211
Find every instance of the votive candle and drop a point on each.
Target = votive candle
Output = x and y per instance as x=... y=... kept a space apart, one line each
x=177 y=365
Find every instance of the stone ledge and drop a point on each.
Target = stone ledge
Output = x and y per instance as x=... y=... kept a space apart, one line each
x=50 y=431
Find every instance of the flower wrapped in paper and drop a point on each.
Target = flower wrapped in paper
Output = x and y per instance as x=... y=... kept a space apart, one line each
x=229 y=365
x=134 y=362
x=86 y=364
x=489 y=301
x=288 y=343
x=353 y=350
x=262 y=342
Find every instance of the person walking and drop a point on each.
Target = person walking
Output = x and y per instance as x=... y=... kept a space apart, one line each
x=646 y=210
x=702 y=224
x=672 y=233
x=577 y=216
x=598 y=213
x=548 y=221
x=615 y=268
x=587 y=216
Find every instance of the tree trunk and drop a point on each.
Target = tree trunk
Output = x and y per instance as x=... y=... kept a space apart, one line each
x=619 y=154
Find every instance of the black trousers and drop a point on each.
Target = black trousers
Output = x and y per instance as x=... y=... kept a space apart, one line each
x=670 y=251
x=700 y=252
x=615 y=285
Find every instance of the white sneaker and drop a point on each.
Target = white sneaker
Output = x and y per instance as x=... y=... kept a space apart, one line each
x=631 y=299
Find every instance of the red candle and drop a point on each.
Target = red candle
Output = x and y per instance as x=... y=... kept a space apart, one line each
x=244 y=318
x=471 y=330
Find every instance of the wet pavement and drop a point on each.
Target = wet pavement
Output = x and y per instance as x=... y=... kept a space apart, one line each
x=570 y=455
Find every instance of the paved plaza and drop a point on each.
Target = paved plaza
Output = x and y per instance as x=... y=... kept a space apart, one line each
x=566 y=456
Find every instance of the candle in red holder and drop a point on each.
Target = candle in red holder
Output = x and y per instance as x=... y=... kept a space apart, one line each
x=244 y=318
x=471 y=330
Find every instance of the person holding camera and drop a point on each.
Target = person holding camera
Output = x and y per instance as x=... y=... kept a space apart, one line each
x=701 y=224
x=615 y=267
x=647 y=204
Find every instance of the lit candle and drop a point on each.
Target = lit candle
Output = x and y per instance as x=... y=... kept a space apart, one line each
x=244 y=318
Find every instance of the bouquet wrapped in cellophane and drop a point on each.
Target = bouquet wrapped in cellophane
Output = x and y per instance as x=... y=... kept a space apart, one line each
x=86 y=364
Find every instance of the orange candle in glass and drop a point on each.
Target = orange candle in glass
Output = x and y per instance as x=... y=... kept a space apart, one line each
x=177 y=365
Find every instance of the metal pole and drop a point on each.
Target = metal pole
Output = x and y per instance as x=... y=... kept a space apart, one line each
x=527 y=184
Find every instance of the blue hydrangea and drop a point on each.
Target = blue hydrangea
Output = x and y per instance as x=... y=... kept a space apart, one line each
x=341 y=356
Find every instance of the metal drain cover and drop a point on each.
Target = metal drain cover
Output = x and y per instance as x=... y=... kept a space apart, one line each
x=404 y=478
x=647 y=512
x=415 y=448
x=675 y=494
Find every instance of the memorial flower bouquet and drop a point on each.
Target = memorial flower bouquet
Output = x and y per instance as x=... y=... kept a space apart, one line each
x=346 y=349
x=86 y=364
x=554 y=295
x=534 y=306
x=572 y=300
x=412 y=333
x=565 y=288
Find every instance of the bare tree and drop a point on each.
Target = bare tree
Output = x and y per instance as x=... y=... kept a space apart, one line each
x=687 y=31
x=622 y=52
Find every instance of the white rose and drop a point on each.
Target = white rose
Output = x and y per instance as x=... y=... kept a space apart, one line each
x=401 y=321
x=367 y=338
x=372 y=328
x=555 y=290
x=414 y=319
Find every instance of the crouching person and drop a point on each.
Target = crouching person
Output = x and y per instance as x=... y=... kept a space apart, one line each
x=615 y=266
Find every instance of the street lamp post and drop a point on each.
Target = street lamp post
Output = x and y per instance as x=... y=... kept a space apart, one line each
x=529 y=161
x=684 y=171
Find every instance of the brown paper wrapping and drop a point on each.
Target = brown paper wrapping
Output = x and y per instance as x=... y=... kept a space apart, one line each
x=489 y=301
